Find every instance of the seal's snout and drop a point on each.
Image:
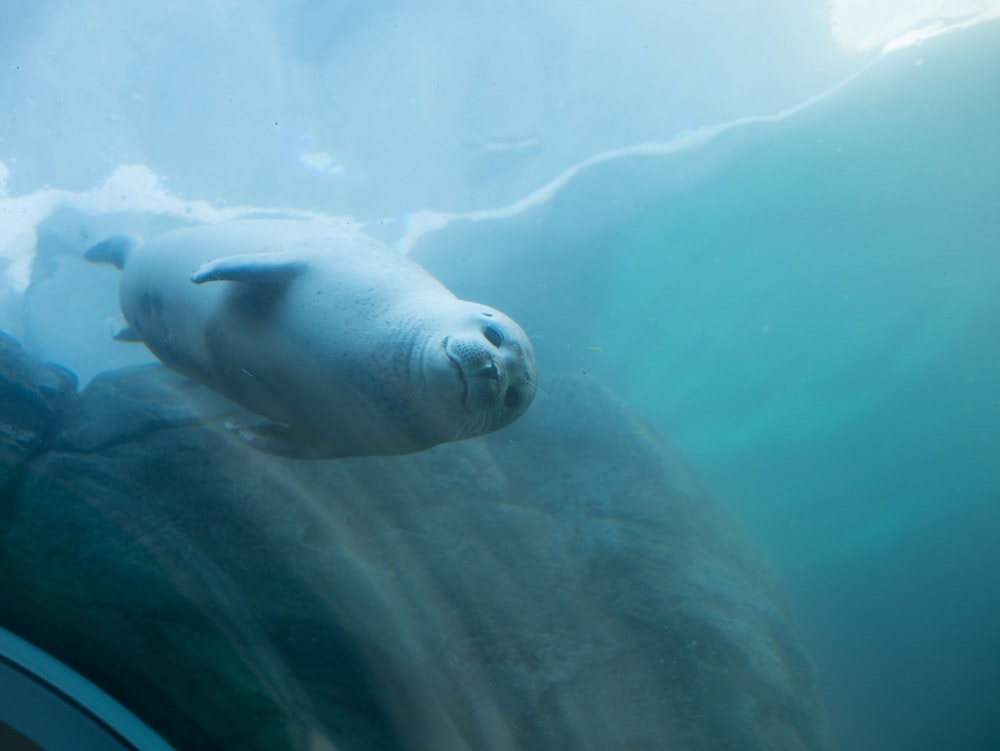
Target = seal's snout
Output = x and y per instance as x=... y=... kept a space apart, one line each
x=495 y=363
x=494 y=371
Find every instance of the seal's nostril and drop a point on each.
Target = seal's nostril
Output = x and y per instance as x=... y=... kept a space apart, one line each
x=493 y=336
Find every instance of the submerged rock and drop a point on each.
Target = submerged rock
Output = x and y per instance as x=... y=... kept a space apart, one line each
x=564 y=583
x=32 y=398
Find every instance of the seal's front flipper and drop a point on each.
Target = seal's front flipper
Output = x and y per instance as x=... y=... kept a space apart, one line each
x=262 y=268
x=279 y=440
x=114 y=250
x=125 y=333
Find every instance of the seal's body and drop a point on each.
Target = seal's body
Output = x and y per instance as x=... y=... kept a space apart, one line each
x=346 y=347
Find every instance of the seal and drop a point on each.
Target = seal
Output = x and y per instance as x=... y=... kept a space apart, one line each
x=343 y=346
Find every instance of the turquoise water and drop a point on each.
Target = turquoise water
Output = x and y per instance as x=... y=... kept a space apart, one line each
x=826 y=311
x=819 y=329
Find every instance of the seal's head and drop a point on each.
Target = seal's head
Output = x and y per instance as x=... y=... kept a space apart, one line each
x=492 y=364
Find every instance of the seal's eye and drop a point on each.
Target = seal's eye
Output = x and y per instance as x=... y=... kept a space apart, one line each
x=493 y=336
x=512 y=399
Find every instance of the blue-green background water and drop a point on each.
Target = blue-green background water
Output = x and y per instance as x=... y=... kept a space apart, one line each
x=809 y=307
x=819 y=326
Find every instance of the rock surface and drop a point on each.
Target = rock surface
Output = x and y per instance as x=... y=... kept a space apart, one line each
x=32 y=398
x=565 y=583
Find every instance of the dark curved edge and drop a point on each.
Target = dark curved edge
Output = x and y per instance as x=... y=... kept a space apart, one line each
x=60 y=710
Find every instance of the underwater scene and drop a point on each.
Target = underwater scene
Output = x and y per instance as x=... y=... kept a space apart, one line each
x=500 y=375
